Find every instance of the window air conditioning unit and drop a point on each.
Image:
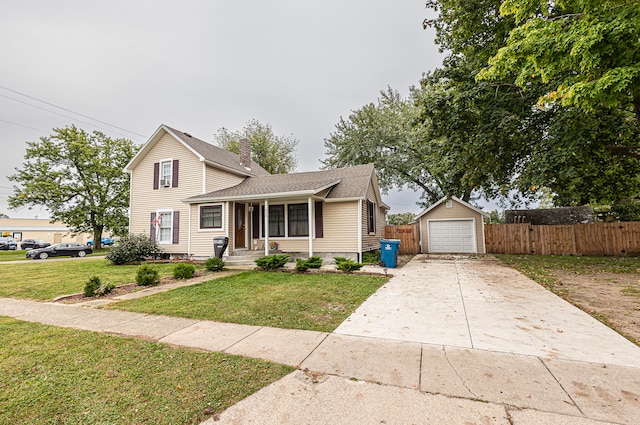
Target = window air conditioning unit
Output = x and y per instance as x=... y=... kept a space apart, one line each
x=165 y=183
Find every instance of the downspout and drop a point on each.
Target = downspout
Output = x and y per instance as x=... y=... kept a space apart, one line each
x=266 y=226
x=359 y=230
x=227 y=223
x=130 y=197
x=312 y=227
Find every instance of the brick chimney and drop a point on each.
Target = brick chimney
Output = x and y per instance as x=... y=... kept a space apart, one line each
x=245 y=153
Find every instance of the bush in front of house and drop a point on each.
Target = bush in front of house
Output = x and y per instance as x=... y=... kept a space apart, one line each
x=147 y=276
x=371 y=257
x=310 y=263
x=184 y=271
x=95 y=287
x=347 y=264
x=214 y=264
x=272 y=262
x=134 y=249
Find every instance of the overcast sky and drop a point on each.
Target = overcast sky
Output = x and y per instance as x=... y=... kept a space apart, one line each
x=201 y=65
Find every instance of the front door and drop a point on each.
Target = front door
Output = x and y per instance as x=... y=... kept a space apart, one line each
x=240 y=226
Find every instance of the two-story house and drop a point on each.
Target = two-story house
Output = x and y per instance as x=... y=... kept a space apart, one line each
x=185 y=192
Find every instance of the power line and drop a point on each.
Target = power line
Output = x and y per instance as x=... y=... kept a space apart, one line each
x=69 y=110
x=25 y=126
x=59 y=114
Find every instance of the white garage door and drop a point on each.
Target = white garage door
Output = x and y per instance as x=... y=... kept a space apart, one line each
x=451 y=236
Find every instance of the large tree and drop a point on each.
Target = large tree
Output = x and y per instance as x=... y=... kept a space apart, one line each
x=512 y=142
x=387 y=134
x=79 y=178
x=276 y=154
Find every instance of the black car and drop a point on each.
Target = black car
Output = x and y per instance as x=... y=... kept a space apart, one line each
x=34 y=243
x=60 y=250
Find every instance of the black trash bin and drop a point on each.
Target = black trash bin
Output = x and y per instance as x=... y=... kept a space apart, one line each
x=220 y=245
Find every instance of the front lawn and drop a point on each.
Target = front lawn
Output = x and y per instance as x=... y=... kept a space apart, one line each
x=43 y=280
x=317 y=302
x=52 y=375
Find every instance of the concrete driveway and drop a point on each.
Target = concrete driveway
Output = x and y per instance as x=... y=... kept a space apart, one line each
x=458 y=341
x=480 y=304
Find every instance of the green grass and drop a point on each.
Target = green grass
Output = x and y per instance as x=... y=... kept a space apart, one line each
x=43 y=280
x=12 y=255
x=51 y=375
x=284 y=300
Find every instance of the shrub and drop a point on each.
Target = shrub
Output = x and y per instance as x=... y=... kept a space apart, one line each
x=272 y=262
x=95 y=287
x=301 y=265
x=347 y=264
x=134 y=249
x=184 y=271
x=309 y=263
x=92 y=286
x=147 y=276
x=105 y=289
x=214 y=264
x=371 y=257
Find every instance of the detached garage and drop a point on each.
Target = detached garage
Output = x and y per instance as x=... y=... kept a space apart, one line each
x=452 y=226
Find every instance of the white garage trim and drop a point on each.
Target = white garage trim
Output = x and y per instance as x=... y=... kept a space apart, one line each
x=461 y=246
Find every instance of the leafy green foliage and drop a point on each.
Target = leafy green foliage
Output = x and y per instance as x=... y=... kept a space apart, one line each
x=92 y=285
x=78 y=177
x=400 y=218
x=371 y=257
x=276 y=154
x=626 y=210
x=310 y=263
x=184 y=271
x=147 y=276
x=347 y=264
x=214 y=264
x=95 y=287
x=272 y=262
x=133 y=249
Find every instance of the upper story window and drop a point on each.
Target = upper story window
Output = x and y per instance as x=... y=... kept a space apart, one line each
x=165 y=173
x=211 y=217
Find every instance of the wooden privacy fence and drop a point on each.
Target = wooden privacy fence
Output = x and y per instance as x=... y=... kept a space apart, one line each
x=408 y=235
x=599 y=239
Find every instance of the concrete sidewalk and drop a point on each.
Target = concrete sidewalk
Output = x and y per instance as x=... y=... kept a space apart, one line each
x=421 y=350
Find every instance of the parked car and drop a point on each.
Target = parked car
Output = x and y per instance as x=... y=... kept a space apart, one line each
x=105 y=242
x=60 y=250
x=8 y=243
x=33 y=243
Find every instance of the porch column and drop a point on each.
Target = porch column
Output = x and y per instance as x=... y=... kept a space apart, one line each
x=265 y=225
x=359 y=230
x=312 y=227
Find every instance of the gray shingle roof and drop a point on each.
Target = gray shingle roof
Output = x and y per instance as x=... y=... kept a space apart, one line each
x=217 y=155
x=350 y=182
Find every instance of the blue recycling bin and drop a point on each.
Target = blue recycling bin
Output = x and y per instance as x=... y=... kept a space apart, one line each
x=389 y=252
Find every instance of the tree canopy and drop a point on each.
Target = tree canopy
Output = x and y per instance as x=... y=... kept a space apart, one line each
x=276 y=154
x=79 y=178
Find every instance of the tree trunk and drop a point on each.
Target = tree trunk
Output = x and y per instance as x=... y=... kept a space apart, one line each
x=97 y=237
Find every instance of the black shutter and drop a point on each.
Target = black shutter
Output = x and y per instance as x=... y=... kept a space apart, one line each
x=176 y=227
x=156 y=175
x=255 y=223
x=318 y=220
x=174 y=175
x=152 y=229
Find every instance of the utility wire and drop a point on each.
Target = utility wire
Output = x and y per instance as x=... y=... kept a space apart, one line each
x=69 y=110
x=59 y=114
x=25 y=126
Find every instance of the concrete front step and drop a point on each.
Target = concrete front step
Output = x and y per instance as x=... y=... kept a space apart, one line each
x=243 y=258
